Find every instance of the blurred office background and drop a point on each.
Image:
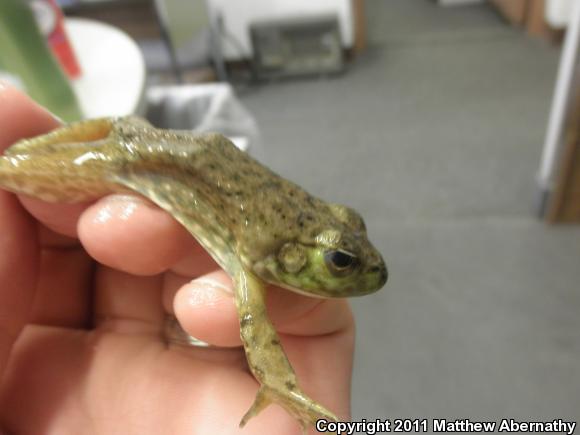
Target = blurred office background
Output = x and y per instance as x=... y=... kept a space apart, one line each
x=452 y=126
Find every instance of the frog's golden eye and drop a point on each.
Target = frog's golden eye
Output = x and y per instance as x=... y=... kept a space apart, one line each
x=340 y=262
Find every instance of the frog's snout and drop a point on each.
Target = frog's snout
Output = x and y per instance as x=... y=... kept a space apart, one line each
x=381 y=273
x=376 y=276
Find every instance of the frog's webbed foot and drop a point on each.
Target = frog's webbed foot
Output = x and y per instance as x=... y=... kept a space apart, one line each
x=294 y=401
x=267 y=360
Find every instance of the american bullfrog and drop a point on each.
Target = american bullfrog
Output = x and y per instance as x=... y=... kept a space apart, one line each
x=260 y=228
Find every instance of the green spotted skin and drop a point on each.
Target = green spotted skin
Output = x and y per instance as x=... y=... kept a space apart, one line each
x=258 y=226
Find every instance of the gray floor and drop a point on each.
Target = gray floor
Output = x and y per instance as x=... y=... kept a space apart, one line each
x=435 y=136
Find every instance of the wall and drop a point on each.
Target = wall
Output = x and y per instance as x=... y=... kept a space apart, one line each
x=237 y=16
x=458 y=2
x=186 y=19
x=558 y=12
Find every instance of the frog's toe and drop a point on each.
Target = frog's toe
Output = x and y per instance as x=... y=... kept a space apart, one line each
x=260 y=402
x=295 y=402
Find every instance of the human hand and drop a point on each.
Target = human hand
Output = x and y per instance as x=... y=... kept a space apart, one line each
x=84 y=290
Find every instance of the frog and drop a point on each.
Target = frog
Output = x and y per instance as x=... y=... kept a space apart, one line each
x=259 y=227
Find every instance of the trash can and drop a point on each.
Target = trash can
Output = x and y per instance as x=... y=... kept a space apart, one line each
x=204 y=108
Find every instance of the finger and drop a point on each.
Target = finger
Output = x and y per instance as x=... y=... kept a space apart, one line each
x=127 y=303
x=205 y=308
x=130 y=234
x=197 y=263
x=59 y=218
x=296 y=314
x=21 y=117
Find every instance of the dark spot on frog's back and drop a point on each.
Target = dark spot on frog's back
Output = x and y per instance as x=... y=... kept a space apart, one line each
x=304 y=218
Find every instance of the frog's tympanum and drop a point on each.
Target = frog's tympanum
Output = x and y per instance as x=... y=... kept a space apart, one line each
x=259 y=227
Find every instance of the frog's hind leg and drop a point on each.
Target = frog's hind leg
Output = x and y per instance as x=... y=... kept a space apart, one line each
x=77 y=132
x=70 y=164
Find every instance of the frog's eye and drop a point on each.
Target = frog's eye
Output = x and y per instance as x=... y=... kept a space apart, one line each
x=340 y=262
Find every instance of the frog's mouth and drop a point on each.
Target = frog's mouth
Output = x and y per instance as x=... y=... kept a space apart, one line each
x=309 y=285
x=267 y=272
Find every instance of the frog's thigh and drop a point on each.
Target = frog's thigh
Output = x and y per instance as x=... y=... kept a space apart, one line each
x=75 y=133
x=267 y=360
